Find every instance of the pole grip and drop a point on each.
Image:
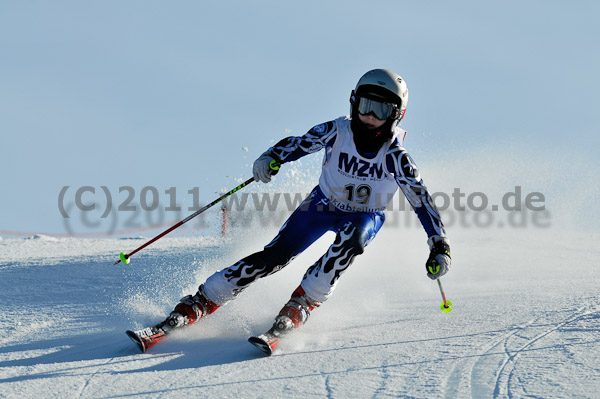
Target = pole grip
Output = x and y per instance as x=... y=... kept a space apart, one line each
x=274 y=166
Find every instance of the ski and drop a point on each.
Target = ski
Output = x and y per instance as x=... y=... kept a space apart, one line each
x=146 y=338
x=266 y=342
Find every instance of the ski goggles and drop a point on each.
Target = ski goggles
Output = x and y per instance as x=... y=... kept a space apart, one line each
x=380 y=110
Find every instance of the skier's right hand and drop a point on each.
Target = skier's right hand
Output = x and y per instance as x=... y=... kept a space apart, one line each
x=263 y=168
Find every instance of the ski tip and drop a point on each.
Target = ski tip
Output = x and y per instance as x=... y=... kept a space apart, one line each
x=264 y=346
x=136 y=339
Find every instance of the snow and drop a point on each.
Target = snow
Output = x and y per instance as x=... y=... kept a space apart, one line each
x=525 y=319
x=524 y=323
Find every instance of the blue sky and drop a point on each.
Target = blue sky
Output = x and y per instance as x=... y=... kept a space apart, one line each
x=149 y=93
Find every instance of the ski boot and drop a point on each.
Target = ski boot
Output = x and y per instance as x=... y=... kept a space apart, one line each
x=291 y=316
x=189 y=310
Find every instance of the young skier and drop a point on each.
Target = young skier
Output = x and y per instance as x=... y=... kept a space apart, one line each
x=363 y=166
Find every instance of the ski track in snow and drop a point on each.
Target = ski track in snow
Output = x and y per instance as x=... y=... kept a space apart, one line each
x=503 y=384
x=513 y=332
x=503 y=379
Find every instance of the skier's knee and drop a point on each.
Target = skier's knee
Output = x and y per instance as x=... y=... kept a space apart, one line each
x=357 y=241
x=277 y=255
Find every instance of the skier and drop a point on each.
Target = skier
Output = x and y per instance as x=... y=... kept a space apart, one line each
x=364 y=164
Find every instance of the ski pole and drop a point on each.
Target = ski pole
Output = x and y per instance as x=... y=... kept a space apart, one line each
x=446 y=306
x=123 y=257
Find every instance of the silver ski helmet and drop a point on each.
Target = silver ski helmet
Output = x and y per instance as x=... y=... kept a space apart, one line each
x=383 y=85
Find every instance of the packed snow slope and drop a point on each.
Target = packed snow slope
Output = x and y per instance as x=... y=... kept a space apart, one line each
x=525 y=321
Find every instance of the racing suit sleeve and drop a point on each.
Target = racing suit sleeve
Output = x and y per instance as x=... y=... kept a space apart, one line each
x=293 y=148
x=407 y=175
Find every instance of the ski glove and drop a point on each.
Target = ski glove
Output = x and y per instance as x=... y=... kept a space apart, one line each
x=265 y=167
x=439 y=260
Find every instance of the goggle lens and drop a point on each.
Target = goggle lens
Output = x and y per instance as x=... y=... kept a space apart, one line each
x=380 y=110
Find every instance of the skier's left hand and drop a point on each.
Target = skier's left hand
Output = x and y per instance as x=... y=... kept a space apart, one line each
x=439 y=260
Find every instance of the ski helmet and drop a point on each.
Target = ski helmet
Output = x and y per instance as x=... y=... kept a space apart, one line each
x=384 y=86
